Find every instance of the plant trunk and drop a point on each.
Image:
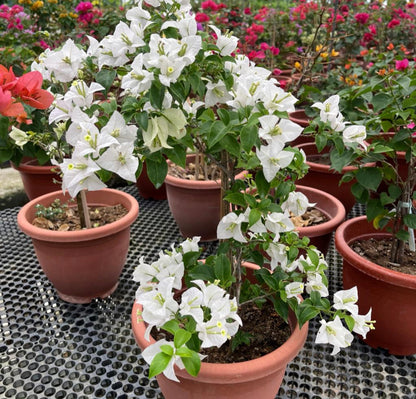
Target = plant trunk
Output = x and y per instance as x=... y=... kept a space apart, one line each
x=84 y=214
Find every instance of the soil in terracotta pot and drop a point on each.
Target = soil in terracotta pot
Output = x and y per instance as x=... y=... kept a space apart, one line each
x=266 y=328
x=322 y=159
x=378 y=252
x=206 y=172
x=311 y=217
x=69 y=220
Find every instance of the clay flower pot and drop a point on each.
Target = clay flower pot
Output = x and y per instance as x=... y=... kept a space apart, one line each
x=391 y=294
x=146 y=188
x=85 y=264
x=324 y=178
x=38 y=179
x=258 y=378
x=195 y=205
x=320 y=234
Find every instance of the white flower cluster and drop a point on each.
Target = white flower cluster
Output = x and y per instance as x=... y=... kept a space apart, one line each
x=329 y=112
x=215 y=314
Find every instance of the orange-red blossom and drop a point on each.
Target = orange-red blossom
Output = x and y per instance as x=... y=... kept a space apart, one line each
x=25 y=89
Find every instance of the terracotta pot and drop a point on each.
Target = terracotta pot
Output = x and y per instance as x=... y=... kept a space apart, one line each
x=83 y=264
x=146 y=188
x=391 y=294
x=38 y=179
x=195 y=205
x=323 y=178
x=258 y=378
x=320 y=235
x=299 y=116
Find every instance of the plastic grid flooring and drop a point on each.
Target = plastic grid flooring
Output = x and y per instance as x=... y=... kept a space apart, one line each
x=49 y=348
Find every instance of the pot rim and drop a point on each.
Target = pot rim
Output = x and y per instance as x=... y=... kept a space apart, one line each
x=370 y=268
x=38 y=233
x=326 y=168
x=27 y=167
x=331 y=224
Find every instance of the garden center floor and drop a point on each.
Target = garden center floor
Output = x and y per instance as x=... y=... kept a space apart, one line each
x=49 y=348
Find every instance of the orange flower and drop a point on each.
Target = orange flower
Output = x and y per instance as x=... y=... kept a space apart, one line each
x=390 y=46
x=347 y=66
x=7 y=78
x=381 y=72
x=364 y=52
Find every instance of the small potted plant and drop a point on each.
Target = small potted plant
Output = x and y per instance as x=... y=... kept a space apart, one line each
x=387 y=104
x=24 y=113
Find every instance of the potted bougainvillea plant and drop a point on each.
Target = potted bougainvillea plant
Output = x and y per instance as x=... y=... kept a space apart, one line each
x=179 y=90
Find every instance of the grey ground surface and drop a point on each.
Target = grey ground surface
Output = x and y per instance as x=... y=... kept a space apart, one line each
x=11 y=188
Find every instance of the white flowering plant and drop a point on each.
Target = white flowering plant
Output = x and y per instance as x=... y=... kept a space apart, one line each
x=380 y=141
x=170 y=89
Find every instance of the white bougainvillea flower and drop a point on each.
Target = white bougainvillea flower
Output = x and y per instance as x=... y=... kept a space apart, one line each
x=65 y=63
x=78 y=173
x=191 y=304
x=158 y=303
x=293 y=290
x=297 y=203
x=272 y=159
x=152 y=350
x=338 y=123
x=217 y=93
x=276 y=129
x=138 y=80
x=187 y=26
x=120 y=160
x=81 y=94
x=363 y=324
x=226 y=43
x=355 y=134
x=230 y=227
x=138 y=15
x=346 y=300
x=278 y=222
x=190 y=244
x=334 y=333
x=276 y=99
x=315 y=283
x=278 y=255
x=329 y=108
x=117 y=127
x=19 y=136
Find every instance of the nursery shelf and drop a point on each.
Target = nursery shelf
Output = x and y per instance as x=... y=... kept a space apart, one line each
x=49 y=348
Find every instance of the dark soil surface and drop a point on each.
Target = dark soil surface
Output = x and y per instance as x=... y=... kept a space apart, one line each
x=311 y=217
x=69 y=219
x=378 y=251
x=206 y=172
x=267 y=329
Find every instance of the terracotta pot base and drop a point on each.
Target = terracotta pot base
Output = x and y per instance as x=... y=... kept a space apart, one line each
x=86 y=299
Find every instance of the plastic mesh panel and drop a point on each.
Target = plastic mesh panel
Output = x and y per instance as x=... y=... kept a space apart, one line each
x=50 y=348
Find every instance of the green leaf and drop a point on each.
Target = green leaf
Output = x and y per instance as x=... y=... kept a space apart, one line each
x=202 y=272
x=403 y=235
x=181 y=337
x=157 y=169
x=263 y=186
x=171 y=326
x=374 y=208
x=410 y=220
x=224 y=115
x=159 y=363
x=254 y=217
x=281 y=307
x=217 y=132
x=369 y=177
x=236 y=199
x=349 y=320
x=381 y=101
x=306 y=313
x=231 y=145
x=248 y=137
x=192 y=364
x=106 y=77
x=223 y=268
x=167 y=349
x=177 y=155
x=156 y=95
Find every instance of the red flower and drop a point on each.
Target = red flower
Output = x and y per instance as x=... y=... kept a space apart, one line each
x=28 y=88
x=393 y=23
x=362 y=17
x=401 y=65
x=201 y=17
x=7 y=78
x=8 y=107
x=209 y=5
x=247 y=11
